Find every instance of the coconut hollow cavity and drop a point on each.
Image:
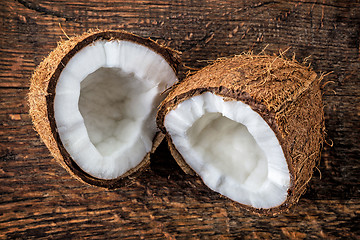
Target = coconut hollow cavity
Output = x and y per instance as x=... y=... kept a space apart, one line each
x=251 y=127
x=94 y=99
x=232 y=148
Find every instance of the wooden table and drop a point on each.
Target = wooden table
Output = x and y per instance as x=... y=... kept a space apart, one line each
x=39 y=199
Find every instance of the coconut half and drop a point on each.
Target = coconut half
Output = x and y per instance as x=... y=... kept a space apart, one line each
x=94 y=99
x=251 y=127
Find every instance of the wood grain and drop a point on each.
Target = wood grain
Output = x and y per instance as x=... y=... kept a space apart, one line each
x=40 y=200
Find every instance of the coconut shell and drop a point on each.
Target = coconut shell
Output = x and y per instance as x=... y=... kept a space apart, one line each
x=284 y=92
x=42 y=94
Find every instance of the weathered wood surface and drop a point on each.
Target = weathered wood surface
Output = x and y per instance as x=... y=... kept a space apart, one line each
x=39 y=199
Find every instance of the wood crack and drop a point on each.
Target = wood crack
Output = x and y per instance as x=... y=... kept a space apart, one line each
x=12 y=87
x=42 y=10
x=323 y=4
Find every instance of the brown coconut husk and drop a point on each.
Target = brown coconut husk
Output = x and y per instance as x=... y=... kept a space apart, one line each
x=42 y=94
x=285 y=93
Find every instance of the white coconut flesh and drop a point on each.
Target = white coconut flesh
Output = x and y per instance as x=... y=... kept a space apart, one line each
x=105 y=105
x=232 y=148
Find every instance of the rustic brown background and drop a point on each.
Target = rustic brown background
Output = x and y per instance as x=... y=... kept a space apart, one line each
x=39 y=199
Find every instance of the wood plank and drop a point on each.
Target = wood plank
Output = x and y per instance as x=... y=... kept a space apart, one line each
x=39 y=199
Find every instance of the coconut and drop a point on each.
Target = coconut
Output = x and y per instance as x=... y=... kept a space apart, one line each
x=94 y=99
x=251 y=127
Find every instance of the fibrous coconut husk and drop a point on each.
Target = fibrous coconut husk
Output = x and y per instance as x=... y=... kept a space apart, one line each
x=284 y=92
x=42 y=94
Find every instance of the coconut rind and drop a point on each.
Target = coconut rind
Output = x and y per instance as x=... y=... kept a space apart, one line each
x=42 y=92
x=285 y=93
